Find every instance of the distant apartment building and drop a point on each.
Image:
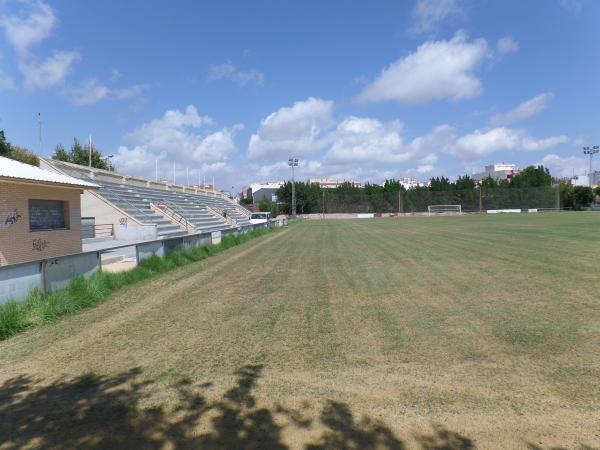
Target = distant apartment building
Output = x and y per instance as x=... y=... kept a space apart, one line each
x=499 y=171
x=258 y=191
x=409 y=183
x=329 y=183
x=584 y=180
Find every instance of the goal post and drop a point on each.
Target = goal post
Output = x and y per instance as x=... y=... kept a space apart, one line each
x=444 y=209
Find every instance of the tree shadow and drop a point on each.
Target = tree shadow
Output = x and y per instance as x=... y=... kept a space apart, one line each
x=343 y=432
x=443 y=439
x=101 y=412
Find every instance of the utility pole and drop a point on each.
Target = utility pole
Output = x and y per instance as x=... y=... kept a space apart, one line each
x=40 y=132
x=90 y=153
x=399 y=201
x=481 y=196
x=323 y=190
x=591 y=151
x=293 y=162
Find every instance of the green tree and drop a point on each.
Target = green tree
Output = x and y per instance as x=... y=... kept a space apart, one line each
x=582 y=196
x=79 y=154
x=17 y=153
x=4 y=145
x=266 y=205
x=532 y=177
x=60 y=154
x=465 y=182
x=24 y=155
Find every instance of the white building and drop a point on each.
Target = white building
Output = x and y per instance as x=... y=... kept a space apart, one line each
x=409 y=183
x=498 y=171
x=260 y=190
x=330 y=183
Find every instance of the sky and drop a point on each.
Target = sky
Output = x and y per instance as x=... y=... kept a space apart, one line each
x=362 y=90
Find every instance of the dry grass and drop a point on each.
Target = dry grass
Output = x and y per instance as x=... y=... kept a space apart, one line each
x=428 y=333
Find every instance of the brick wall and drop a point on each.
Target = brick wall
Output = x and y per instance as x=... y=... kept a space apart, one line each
x=19 y=244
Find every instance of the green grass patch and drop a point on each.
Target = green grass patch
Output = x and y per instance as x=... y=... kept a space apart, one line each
x=82 y=293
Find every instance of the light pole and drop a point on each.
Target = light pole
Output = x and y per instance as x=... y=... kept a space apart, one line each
x=591 y=151
x=107 y=160
x=293 y=162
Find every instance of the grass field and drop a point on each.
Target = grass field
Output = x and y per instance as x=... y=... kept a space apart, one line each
x=413 y=333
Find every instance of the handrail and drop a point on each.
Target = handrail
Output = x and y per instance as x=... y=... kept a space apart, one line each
x=223 y=213
x=171 y=210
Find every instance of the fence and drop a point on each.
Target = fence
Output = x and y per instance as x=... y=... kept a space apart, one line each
x=50 y=274
x=417 y=200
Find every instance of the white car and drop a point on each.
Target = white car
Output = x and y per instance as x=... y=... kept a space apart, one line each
x=260 y=217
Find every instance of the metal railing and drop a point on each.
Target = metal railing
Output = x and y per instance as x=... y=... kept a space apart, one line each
x=223 y=214
x=98 y=230
x=173 y=212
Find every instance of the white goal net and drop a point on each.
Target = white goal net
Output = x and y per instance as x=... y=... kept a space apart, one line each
x=444 y=209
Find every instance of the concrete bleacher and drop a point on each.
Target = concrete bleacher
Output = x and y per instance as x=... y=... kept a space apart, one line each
x=174 y=210
x=137 y=201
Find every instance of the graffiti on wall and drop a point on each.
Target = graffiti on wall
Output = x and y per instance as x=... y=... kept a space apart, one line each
x=40 y=244
x=123 y=222
x=12 y=217
x=8 y=217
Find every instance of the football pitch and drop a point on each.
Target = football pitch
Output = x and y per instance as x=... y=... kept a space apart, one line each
x=410 y=333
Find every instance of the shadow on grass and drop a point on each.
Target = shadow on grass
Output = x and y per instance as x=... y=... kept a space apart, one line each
x=96 y=412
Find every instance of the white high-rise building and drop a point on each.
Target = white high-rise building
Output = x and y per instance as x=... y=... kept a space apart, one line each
x=498 y=171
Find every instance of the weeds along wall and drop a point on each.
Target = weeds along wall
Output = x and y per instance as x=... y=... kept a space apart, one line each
x=83 y=291
x=51 y=274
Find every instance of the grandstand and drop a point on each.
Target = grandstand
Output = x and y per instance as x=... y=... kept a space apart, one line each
x=173 y=209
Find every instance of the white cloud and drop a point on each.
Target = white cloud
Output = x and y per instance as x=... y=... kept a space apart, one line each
x=6 y=83
x=507 y=45
x=25 y=30
x=130 y=92
x=575 y=6
x=87 y=93
x=532 y=144
x=364 y=140
x=241 y=77
x=427 y=14
x=50 y=72
x=175 y=137
x=92 y=91
x=437 y=70
x=296 y=130
x=483 y=143
x=425 y=168
x=560 y=166
x=30 y=27
x=525 y=110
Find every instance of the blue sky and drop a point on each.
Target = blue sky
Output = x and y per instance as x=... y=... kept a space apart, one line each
x=362 y=90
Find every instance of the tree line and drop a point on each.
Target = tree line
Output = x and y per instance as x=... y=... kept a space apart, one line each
x=77 y=154
x=531 y=188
